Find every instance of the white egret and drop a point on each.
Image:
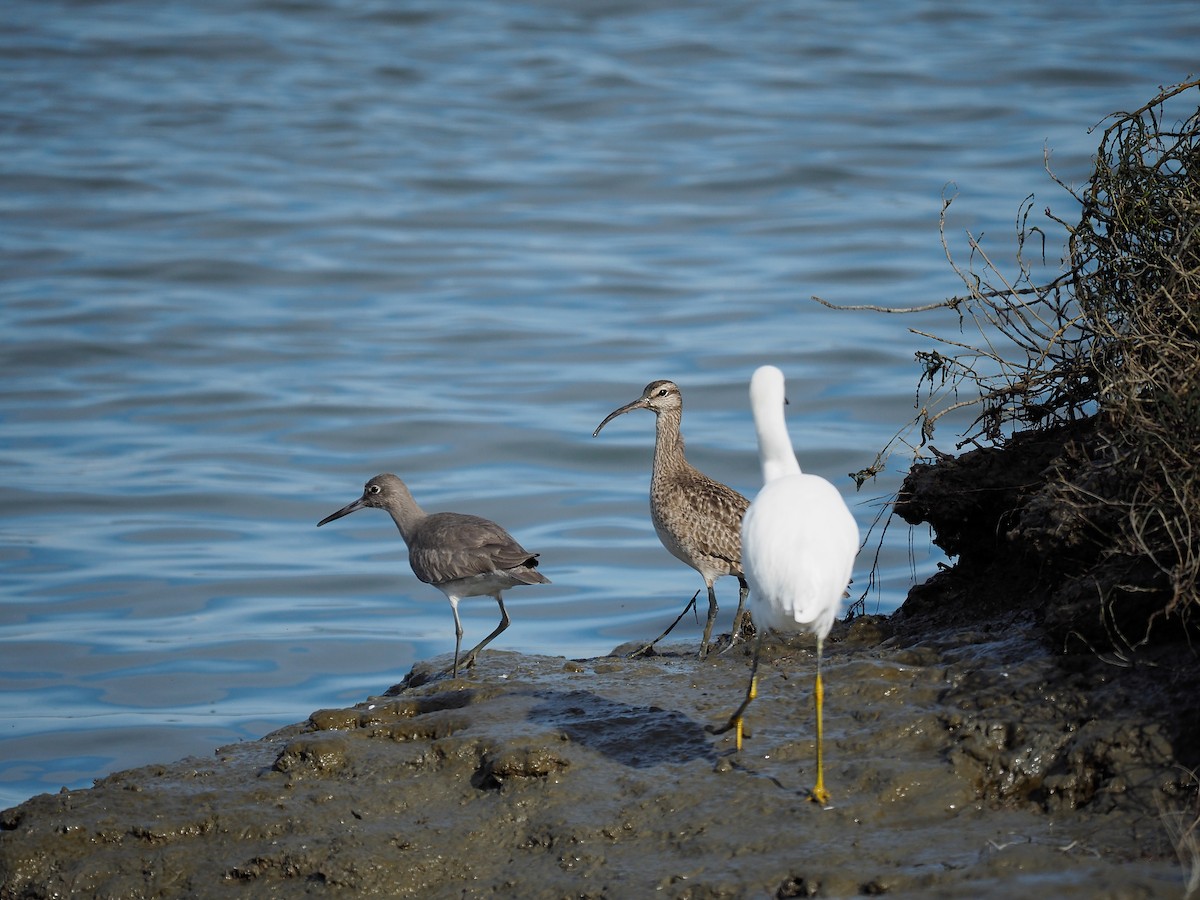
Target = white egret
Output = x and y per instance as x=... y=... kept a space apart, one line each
x=799 y=541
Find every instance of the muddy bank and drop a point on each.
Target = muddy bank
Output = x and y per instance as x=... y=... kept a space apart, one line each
x=962 y=762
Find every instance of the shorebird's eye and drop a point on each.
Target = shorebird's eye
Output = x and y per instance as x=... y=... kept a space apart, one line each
x=374 y=489
x=662 y=392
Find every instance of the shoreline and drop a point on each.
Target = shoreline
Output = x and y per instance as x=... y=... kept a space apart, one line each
x=961 y=760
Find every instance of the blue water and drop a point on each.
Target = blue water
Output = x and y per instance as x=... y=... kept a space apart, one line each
x=255 y=253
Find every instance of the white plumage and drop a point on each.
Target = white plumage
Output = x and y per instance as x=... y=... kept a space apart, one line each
x=797 y=565
x=799 y=541
x=799 y=538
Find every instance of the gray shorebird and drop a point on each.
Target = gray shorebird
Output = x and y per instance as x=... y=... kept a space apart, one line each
x=459 y=554
x=697 y=519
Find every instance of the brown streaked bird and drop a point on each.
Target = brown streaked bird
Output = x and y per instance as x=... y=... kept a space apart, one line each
x=697 y=519
x=459 y=554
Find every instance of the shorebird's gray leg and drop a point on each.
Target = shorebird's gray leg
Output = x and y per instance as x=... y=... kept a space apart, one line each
x=470 y=659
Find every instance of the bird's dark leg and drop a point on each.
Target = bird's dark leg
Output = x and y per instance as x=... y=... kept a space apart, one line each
x=470 y=660
x=735 y=720
x=712 y=617
x=650 y=646
x=739 y=617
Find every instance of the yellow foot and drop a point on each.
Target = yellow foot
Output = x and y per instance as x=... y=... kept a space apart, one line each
x=819 y=795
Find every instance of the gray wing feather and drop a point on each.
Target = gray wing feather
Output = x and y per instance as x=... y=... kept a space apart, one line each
x=451 y=546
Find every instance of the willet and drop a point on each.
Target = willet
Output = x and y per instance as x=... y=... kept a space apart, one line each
x=460 y=555
x=697 y=519
x=799 y=541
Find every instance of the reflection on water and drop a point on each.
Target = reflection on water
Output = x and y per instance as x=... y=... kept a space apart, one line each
x=256 y=254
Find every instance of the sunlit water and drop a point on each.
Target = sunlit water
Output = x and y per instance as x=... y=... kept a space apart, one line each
x=256 y=253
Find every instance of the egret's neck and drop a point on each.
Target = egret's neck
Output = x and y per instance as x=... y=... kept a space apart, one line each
x=774 y=446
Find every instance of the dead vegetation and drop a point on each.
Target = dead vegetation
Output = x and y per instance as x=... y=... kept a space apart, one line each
x=1136 y=266
x=1181 y=819
x=1095 y=371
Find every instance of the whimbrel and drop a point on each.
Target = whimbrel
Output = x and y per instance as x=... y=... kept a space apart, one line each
x=799 y=540
x=697 y=519
x=460 y=555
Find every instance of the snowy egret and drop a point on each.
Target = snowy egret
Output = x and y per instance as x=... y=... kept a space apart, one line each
x=697 y=519
x=460 y=555
x=799 y=541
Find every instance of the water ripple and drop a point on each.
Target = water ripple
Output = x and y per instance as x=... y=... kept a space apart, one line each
x=256 y=253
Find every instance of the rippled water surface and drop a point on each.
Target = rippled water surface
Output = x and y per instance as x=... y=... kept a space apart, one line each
x=255 y=253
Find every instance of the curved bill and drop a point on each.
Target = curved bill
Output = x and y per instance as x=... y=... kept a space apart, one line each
x=639 y=403
x=344 y=511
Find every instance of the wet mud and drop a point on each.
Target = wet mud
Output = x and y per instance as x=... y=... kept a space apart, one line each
x=966 y=761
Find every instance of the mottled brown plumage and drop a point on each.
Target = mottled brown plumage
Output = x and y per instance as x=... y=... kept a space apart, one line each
x=697 y=519
x=459 y=554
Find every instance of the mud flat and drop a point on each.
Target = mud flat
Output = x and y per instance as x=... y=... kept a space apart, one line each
x=962 y=762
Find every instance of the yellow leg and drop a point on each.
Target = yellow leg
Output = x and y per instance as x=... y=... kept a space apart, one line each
x=735 y=720
x=819 y=794
x=750 y=695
